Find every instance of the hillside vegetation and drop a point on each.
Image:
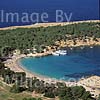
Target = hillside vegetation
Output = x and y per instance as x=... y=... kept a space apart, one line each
x=22 y=38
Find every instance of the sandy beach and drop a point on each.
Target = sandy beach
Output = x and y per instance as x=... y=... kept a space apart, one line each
x=14 y=64
x=91 y=84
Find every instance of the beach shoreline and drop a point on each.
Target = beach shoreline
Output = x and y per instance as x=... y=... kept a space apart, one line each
x=14 y=62
x=29 y=73
x=88 y=83
x=48 y=24
x=15 y=65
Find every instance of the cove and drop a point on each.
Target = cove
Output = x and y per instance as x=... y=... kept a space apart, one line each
x=78 y=63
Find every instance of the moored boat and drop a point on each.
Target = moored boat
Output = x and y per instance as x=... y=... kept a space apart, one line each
x=59 y=52
x=55 y=54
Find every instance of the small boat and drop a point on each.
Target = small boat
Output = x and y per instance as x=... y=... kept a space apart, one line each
x=59 y=52
x=82 y=47
x=71 y=48
x=55 y=54
x=63 y=52
x=91 y=47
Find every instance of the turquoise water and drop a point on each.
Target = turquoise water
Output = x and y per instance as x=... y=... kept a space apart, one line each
x=76 y=64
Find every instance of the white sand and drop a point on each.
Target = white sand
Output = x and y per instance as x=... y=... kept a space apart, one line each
x=89 y=84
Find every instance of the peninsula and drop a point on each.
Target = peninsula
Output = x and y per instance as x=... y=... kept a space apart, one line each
x=42 y=39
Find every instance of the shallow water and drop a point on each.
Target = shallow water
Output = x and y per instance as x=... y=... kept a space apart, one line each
x=76 y=64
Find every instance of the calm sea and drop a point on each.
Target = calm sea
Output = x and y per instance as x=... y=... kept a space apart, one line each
x=80 y=9
x=78 y=63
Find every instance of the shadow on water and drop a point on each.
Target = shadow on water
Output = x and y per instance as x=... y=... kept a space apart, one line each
x=85 y=74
